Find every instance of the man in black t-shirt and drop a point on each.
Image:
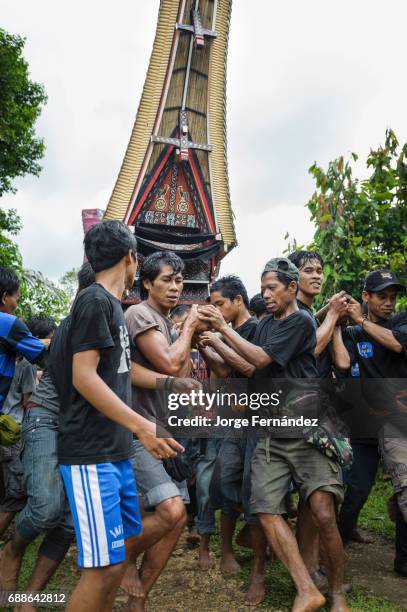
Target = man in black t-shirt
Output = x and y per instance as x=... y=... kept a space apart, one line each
x=283 y=353
x=97 y=423
x=46 y=511
x=311 y=269
x=231 y=483
x=229 y=296
x=374 y=351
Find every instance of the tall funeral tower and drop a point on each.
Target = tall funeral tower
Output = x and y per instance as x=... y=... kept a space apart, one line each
x=173 y=185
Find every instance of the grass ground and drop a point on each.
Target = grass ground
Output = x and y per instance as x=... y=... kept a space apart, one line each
x=374 y=516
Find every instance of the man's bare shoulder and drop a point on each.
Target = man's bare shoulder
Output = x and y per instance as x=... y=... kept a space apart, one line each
x=140 y=318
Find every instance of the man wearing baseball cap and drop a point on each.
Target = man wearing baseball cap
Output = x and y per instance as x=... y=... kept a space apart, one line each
x=375 y=348
x=282 y=352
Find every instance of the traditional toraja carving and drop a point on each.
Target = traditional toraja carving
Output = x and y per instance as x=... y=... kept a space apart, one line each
x=173 y=184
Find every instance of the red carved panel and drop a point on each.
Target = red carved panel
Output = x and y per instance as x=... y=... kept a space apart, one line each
x=172 y=203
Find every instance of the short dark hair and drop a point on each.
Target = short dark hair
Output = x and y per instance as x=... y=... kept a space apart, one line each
x=300 y=258
x=230 y=287
x=152 y=265
x=107 y=243
x=9 y=282
x=180 y=310
x=257 y=305
x=41 y=325
x=86 y=276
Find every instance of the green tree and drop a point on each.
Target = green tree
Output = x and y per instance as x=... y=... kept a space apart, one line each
x=21 y=102
x=361 y=225
x=40 y=295
x=69 y=283
x=10 y=225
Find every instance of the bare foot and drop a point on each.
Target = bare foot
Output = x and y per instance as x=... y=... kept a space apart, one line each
x=339 y=603
x=205 y=562
x=257 y=590
x=308 y=602
x=243 y=537
x=229 y=566
x=135 y=604
x=131 y=583
x=9 y=569
x=193 y=537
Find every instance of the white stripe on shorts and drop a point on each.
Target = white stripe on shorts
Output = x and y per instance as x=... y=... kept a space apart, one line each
x=99 y=516
x=91 y=521
x=84 y=526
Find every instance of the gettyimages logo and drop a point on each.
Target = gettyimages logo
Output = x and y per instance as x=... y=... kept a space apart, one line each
x=286 y=407
x=208 y=401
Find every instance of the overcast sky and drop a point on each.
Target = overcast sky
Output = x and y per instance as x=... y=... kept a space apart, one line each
x=307 y=81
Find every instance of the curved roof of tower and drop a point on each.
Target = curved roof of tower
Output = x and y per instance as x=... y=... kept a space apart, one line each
x=205 y=100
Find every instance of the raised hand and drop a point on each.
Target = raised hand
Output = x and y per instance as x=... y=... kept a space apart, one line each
x=192 y=319
x=213 y=316
x=338 y=304
x=355 y=311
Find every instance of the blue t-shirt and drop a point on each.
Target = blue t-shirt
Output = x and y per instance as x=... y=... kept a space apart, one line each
x=15 y=339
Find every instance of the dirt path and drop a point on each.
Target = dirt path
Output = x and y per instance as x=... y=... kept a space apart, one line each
x=371 y=567
x=183 y=588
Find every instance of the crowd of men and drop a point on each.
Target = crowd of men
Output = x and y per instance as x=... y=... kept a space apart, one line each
x=90 y=397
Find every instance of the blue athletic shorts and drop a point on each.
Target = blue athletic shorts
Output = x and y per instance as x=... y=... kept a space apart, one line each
x=105 y=510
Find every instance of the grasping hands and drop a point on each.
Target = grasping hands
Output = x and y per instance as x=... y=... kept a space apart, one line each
x=338 y=304
x=213 y=316
x=355 y=311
